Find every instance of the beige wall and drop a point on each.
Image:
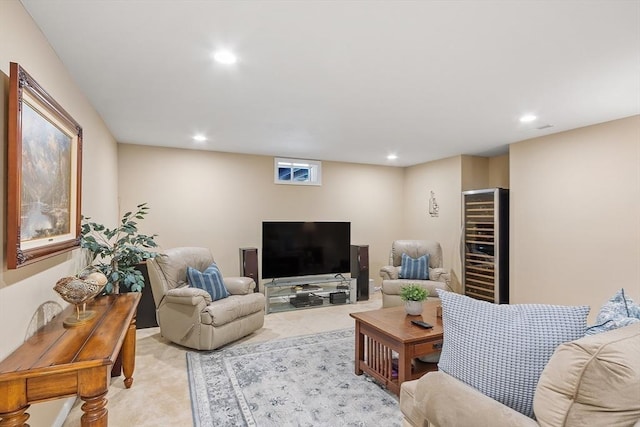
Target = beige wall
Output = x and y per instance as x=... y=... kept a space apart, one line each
x=383 y=203
x=443 y=177
x=479 y=173
x=22 y=291
x=575 y=215
x=475 y=173
x=499 y=171
x=219 y=200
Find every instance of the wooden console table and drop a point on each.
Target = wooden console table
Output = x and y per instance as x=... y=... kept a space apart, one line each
x=59 y=362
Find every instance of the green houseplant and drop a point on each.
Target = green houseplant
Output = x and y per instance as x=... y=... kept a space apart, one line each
x=119 y=249
x=413 y=295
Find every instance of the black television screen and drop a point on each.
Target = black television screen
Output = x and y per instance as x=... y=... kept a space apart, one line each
x=292 y=249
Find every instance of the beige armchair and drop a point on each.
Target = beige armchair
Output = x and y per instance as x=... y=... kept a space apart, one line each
x=392 y=283
x=187 y=316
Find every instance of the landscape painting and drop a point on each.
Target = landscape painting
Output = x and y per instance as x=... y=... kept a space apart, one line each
x=46 y=171
x=44 y=165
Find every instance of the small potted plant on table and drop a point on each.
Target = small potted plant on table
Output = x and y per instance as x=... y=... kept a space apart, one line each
x=413 y=295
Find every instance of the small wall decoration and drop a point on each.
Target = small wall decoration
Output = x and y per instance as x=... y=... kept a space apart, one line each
x=44 y=162
x=433 y=205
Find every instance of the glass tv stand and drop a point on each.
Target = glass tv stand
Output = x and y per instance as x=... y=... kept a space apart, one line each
x=308 y=292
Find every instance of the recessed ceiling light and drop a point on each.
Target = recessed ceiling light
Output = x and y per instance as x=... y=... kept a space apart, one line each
x=225 y=57
x=392 y=157
x=528 y=118
x=199 y=137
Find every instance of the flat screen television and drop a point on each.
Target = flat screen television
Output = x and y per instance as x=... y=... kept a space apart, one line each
x=291 y=249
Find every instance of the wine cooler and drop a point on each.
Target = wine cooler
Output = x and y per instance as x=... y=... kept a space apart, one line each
x=485 y=265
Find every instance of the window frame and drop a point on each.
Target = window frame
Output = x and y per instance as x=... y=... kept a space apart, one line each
x=314 y=167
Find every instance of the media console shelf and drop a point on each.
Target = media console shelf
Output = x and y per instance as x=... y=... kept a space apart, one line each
x=300 y=293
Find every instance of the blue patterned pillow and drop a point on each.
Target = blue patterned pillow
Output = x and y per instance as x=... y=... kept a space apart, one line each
x=501 y=350
x=414 y=268
x=210 y=280
x=619 y=311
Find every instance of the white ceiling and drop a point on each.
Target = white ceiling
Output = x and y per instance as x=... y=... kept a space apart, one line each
x=348 y=80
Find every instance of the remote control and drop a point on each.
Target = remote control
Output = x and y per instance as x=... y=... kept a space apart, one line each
x=422 y=324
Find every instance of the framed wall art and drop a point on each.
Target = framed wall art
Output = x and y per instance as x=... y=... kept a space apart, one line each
x=44 y=165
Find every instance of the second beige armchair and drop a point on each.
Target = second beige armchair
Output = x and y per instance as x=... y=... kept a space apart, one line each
x=392 y=283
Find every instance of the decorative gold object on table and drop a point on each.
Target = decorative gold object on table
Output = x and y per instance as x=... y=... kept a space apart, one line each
x=79 y=290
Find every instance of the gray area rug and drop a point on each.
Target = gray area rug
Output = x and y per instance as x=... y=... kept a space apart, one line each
x=298 y=381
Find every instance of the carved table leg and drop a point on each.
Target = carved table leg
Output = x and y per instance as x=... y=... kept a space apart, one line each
x=128 y=353
x=95 y=411
x=15 y=419
x=93 y=384
x=13 y=403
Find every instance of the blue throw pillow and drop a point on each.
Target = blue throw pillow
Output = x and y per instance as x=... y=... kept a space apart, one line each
x=501 y=350
x=210 y=280
x=414 y=268
x=619 y=311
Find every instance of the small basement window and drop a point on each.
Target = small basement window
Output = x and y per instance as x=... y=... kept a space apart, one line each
x=297 y=171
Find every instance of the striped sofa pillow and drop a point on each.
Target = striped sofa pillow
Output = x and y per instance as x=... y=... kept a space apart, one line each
x=414 y=268
x=210 y=280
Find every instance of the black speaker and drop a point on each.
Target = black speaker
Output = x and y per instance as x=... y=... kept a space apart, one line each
x=249 y=265
x=360 y=270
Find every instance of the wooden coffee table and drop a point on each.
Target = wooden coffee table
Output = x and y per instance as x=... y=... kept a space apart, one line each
x=380 y=333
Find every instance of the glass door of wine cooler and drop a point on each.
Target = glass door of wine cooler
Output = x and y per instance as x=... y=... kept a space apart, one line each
x=485 y=264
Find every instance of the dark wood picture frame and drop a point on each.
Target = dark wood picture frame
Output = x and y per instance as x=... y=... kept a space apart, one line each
x=44 y=174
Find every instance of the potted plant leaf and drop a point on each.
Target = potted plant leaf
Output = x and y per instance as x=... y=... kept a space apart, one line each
x=119 y=250
x=413 y=295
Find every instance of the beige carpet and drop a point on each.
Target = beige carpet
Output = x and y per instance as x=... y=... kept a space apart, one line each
x=160 y=392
